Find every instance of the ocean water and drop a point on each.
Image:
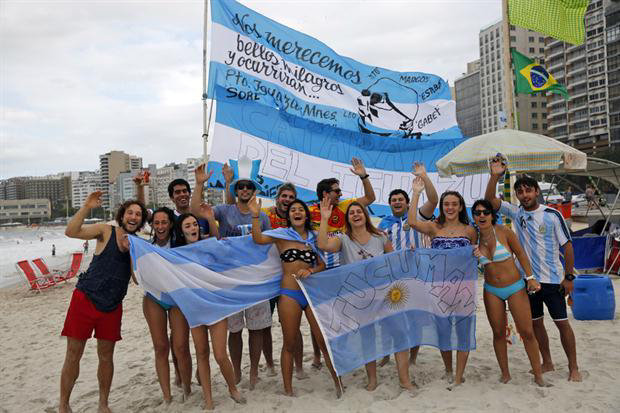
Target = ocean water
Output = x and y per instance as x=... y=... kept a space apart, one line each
x=25 y=243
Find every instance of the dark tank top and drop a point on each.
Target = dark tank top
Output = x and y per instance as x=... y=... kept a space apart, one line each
x=106 y=280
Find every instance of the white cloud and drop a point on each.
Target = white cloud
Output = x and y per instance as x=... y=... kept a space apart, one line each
x=78 y=79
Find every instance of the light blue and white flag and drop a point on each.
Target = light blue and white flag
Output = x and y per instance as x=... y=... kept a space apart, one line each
x=208 y=280
x=254 y=58
x=396 y=301
x=289 y=100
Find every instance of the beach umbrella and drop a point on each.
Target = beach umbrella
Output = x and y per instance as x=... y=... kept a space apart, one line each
x=524 y=151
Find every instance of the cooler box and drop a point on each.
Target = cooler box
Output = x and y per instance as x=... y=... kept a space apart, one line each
x=565 y=208
x=593 y=298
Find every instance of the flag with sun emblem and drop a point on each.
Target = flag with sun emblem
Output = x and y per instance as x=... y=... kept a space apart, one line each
x=393 y=302
x=532 y=77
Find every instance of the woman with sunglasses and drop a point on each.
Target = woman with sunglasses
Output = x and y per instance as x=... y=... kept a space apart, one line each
x=361 y=241
x=300 y=259
x=187 y=231
x=158 y=314
x=450 y=230
x=503 y=283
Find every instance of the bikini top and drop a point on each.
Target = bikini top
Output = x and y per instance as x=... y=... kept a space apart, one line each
x=446 y=243
x=500 y=254
x=294 y=254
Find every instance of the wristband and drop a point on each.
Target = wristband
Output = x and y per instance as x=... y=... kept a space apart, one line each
x=531 y=277
x=364 y=177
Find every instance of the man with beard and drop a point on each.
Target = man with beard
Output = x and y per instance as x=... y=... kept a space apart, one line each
x=96 y=303
x=542 y=232
x=236 y=220
x=398 y=230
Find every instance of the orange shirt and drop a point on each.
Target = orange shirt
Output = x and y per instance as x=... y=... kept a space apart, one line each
x=274 y=218
x=336 y=220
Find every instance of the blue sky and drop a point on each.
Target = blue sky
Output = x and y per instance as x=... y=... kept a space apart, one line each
x=81 y=78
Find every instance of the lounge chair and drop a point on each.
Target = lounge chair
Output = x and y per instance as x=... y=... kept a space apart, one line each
x=76 y=264
x=56 y=276
x=36 y=283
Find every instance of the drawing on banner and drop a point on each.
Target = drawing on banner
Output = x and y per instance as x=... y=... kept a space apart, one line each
x=376 y=108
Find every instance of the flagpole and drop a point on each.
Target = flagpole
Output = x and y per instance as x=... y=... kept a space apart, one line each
x=508 y=84
x=205 y=120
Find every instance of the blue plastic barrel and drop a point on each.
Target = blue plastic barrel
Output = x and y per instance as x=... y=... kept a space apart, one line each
x=593 y=298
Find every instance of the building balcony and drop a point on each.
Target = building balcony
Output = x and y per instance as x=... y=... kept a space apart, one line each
x=552 y=42
x=557 y=124
x=554 y=52
x=556 y=113
x=554 y=66
x=575 y=58
x=574 y=69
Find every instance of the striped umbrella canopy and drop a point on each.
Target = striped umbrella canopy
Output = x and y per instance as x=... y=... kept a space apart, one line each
x=525 y=152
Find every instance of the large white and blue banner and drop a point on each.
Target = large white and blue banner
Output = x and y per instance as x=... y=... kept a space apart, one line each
x=394 y=302
x=303 y=110
x=366 y=310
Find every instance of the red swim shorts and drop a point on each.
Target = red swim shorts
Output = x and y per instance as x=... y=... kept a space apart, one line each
x=82 y=318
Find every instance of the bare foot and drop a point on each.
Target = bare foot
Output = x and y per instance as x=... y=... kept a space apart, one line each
x=372 y=385
x=253 y=380
x=104 y=409
x=301 y=375
x=237 y=397
x=453 y=386
x=574 y=375
x=505 y=378
x=209 y=405
x=541 y=382
x=271 y=371
x=385 y=360
x=317 y=364
x=448 y=376
x=64 y=408
x=410 y=387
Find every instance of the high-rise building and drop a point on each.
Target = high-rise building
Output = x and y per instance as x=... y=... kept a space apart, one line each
x=111 y=164
x=467 y=91
x=82 y=184
x=589 y=72
x=530 y=110
x=612 y=21
x=163 y=177
x=56 y=190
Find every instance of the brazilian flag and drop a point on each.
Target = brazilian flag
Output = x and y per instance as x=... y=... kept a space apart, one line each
x=531 y=77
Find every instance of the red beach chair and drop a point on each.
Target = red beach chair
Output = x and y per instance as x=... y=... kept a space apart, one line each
x=76 y=264
x=56 y=276
x=36 y=283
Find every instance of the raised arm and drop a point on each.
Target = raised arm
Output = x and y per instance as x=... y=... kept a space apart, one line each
x=140 y=184
x=196 y=201
x=228 y=178
x=323 y=241
x=428 y=209
x=519 y=252
x=76 y=227
x=206 y=212
x=257 y=231
x=423 y=227
x=498 y=169
x=360 y=170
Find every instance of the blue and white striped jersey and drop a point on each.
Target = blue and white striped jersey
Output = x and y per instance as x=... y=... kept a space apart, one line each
x=400 y=233
x=541 y=232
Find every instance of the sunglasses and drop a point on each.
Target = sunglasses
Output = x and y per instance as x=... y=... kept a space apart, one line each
x=337 y=190
x=479 y=212
x=246 y=185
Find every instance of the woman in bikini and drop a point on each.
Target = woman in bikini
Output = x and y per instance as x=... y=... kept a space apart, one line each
x=187 y=231
x=360 y=241
x=157 y=315
x=450 y=230
x=298 y=253
x=503 y=283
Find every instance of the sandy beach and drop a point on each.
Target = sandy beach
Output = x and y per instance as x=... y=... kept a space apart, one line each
x=32 y=352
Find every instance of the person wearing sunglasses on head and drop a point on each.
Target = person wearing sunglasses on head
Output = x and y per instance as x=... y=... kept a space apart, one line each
x=542 y=232
x=503 y=284
x=329 y=188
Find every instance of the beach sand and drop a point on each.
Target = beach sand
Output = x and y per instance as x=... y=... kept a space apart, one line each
x=32 y=353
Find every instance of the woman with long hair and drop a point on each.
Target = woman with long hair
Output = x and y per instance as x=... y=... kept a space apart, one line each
x=450 y=230
x=361 y=241
x=187 y=232
x=300 y=259
x=158 y=314
x=503 y=284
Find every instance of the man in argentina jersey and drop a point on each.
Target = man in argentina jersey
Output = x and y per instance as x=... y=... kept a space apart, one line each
x=398 y=230
x=330 y=188
x=542 y=232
